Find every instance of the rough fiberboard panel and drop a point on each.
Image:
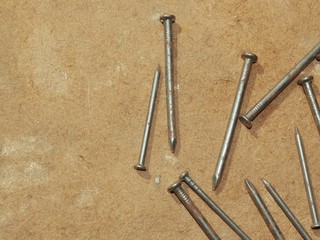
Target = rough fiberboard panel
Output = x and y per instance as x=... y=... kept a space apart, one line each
x=75 y=79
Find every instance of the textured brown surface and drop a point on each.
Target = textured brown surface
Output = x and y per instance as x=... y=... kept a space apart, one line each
x=75 y=79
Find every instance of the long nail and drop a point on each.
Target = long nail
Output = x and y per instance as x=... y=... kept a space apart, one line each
x=177 y=189
x=141 y=163
x=167 y=21
x=286 y=210
x=306 y=83
x=249 y=59
x=189 y=181
x=263 y=210
x=284 y=82
x=307 y=180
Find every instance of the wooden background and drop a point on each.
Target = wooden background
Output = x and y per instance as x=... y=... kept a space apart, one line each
x=75 y=80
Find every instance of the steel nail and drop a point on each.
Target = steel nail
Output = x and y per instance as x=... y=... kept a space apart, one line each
x=141 y=163
x=167 y=21
x=306 y=83
x=263 y=210
x=185 y=177
x=248 y=118
x=304 y=234
x=177 y=189
x=249 y=59
x=307 y=180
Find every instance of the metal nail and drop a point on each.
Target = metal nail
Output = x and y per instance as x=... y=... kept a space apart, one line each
x=141 y=163
x=306 y=83
x=189 y=181
x=249 y=59
x=282 y=84
x=167 y=21
x=307 y=180
x=286 y=210
x=177 y=189
x=263 y=210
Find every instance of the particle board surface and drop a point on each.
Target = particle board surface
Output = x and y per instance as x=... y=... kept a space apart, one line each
x=75 y=80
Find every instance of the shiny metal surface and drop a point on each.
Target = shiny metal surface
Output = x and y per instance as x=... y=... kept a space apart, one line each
x=307 y=180
x=263 y=210
x=177 y=189
x=306 y=84
x=167 y=21
x=144 y=146
x=304 y=234
x=189 y=181
x=282 y=84
x=249 y=59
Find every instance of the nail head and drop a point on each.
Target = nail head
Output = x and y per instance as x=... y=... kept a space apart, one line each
x=305 y=80
x=173 y=186
x=166 y=17
x=250 y=55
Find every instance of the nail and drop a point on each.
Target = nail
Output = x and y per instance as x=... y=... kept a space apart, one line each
x=283 y=83
x=307 y=180
x=167 y=21
x=141 y=163
x=185 y=177
x=249 y=59
x=306 y=83
x=177 y=189
x=286 y=210
x=263 y=210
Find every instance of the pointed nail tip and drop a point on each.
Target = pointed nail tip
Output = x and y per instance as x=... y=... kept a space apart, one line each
x=158 y=68
x=173 y=143
x=265 y=182
x=248 y=184
x=215 y=183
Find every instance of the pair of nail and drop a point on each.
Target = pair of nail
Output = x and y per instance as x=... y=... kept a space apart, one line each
x=185 y=177
x=248 y=118
x=167 y=21
x=266 y=215
x=249 y=59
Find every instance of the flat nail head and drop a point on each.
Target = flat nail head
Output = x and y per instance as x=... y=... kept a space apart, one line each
x=165 y=17
x=250 y=55
x=315 y=226
x=140 y=167
x=245 y=121
x=184 y=175
x=173 y=186
x=305 y=80
x=318 y=57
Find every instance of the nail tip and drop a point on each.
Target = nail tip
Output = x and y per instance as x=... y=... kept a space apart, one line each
x=215 y=182
x=265 y=182
x=173 y=143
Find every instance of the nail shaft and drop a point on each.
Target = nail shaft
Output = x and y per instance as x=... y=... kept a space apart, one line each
x=167 y=21
x=177 y=189
x=283 y=83
x=263 y=210
x=249 y=59
x=307 y=180
x=286 y=210
x=141 y=163
x=189 y=181
x=306 y=83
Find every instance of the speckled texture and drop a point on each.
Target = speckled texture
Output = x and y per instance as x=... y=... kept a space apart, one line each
x=75 y=79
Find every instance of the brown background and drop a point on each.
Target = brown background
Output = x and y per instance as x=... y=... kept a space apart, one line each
x=75 y=80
